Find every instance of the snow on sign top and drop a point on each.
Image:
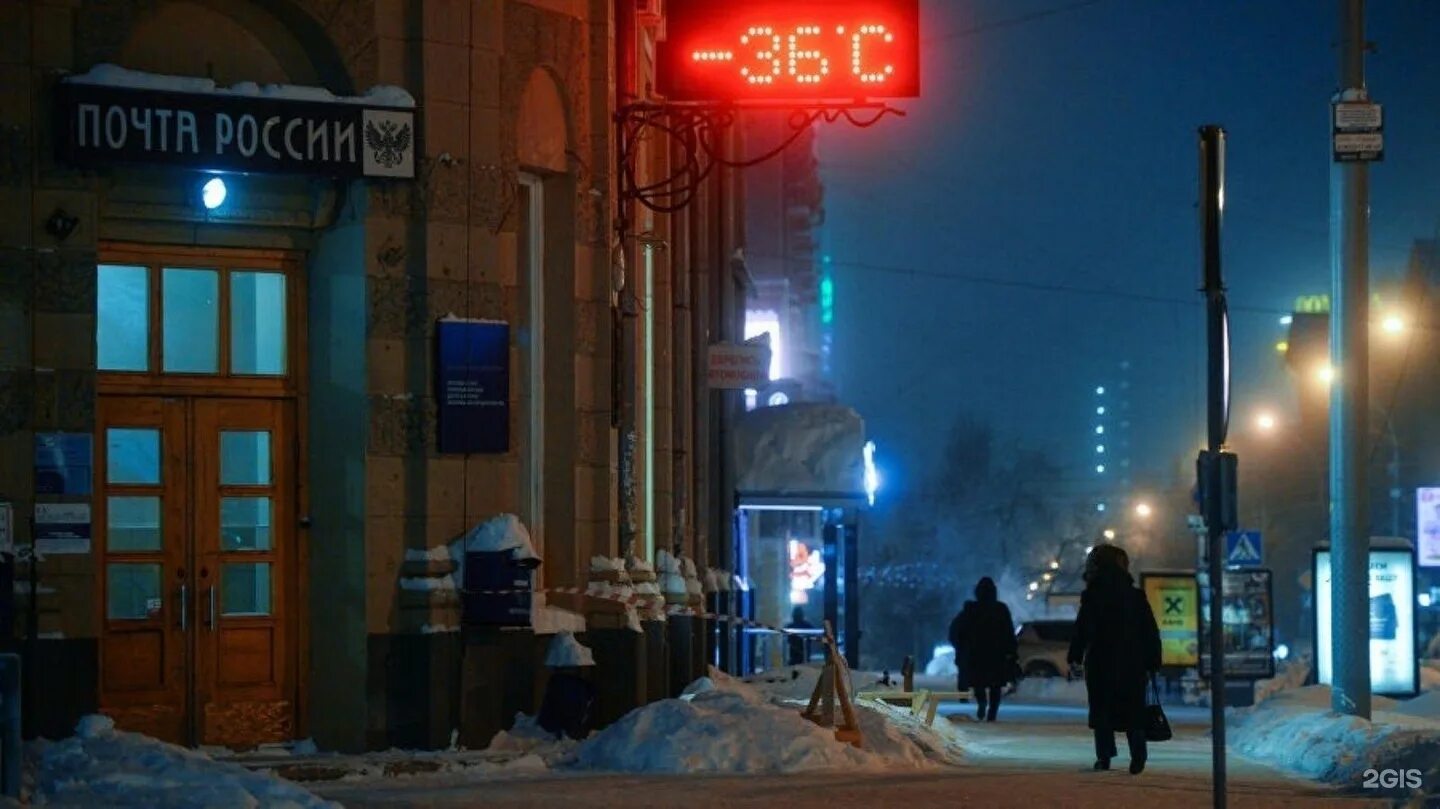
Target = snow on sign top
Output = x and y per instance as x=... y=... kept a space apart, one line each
x=108 y=75
x=801 y=449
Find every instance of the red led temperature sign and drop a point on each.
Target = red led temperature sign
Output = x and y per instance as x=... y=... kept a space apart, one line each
x=790 y=50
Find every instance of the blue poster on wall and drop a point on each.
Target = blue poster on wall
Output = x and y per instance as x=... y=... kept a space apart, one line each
x=63 y=463
x=473 y=386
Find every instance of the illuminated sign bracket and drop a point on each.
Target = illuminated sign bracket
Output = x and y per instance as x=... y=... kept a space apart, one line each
x=699 y=130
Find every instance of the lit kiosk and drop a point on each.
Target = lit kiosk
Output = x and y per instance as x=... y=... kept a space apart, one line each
x=1394 y=663
x=804 y=476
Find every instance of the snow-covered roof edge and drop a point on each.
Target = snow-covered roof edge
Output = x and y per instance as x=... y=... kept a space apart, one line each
x=108 y=75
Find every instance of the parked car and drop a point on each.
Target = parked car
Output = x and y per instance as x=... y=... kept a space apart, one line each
x=1043 y=646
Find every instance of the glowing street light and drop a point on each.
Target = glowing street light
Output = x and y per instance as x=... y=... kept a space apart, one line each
x=1266 y=422
x=1110 y=534
x=1393 y=324
x=1143 y=510
x=1325 y=373
x=1034 y=585
x=1055 y=565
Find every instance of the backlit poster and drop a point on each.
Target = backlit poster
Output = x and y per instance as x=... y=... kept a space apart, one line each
x=1393 y=664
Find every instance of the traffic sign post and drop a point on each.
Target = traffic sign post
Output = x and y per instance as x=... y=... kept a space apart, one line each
x=1244 y=549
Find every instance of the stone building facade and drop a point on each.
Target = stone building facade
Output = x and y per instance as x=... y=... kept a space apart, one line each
x=236 y=409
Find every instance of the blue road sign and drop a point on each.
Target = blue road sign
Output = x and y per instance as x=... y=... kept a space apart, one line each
x=1244 y=549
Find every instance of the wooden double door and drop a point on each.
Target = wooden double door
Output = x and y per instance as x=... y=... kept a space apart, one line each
x=195 y=523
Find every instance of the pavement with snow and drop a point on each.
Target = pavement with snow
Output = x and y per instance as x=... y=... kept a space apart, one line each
x=728 y=743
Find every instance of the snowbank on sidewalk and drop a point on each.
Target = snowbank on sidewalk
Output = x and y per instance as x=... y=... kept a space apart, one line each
x=1292 y=674
x=721 y=725
x=1296 y=730
x=1053 y=690
x=101 y=766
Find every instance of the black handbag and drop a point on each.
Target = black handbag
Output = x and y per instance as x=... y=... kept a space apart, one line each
x=1157 y=725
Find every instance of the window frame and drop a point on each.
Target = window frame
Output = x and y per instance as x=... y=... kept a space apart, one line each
x=225 y=262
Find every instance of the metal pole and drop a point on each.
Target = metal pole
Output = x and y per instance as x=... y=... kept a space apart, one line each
x=1394 y=478
x=1212 y=204
x=1349 y=397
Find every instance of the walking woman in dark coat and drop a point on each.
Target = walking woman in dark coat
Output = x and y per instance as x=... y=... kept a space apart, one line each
x=985 y=651
x=1118 y=643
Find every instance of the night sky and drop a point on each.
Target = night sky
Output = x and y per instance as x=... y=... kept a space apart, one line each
x=1052 y=162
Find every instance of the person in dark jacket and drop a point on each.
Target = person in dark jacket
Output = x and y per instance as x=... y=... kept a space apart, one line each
x=797 y=645
x=1118 y=643
x=985 y=649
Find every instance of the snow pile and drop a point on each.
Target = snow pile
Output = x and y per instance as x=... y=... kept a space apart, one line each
x=722 y=726
x=502 y=533
x=100 y=766
x=604 y=564
x=1291 y=674
x=1295 y=730
x=109 y=75
x=800 y=448
x=1430 y=676
x=440 y=553
x=566 y=652
x=1425 y=706
x=717 y=580
x=942 y=662
x=1054 y=690
x=548 y=620
x=527 y=739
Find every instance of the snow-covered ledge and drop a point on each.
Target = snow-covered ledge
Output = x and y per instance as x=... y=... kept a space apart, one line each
x=108 y=75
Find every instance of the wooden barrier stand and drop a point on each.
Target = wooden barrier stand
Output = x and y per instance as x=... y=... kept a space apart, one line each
x=833 y=686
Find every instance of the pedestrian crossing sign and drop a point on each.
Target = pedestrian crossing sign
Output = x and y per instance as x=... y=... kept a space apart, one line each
x=1243 y=549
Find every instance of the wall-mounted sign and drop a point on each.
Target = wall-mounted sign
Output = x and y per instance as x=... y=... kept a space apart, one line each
x=737 y=367
x=1248 y=619
x=744 y=50
x=103 y=124
x=63 y=463
x=62 y=528
x=473 y=386
x=1427 y=525
x=1394 y=666
x=1175 y=601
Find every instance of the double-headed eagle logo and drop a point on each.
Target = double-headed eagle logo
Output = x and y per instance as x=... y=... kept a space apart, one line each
x=388 y=141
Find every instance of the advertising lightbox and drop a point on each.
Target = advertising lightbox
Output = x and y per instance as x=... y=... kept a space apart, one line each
x=1176 y=604
x=1394 y=668
x=1427 y=525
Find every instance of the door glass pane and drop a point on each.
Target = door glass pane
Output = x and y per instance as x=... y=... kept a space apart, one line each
x=191 y=313
x=132 y=524
x=122 y=323
x=245 y=523
x=245 y=588
x=132 y=591
x=244 y=458
x=132 y=455
x=257 y=323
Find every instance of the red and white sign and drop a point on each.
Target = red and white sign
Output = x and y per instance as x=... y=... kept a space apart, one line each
x=790 y=50
x=737 y=367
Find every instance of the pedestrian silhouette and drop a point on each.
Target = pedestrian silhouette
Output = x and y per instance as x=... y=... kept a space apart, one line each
x=985 y=649
x=796 y=644
x=1118 y=643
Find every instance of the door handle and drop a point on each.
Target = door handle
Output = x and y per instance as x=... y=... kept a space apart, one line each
x=184 y=607
x=210 y=618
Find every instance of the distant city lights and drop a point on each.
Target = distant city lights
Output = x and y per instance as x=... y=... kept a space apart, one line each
x=1100 y=430
x=1286 y=320
x=1100 y=391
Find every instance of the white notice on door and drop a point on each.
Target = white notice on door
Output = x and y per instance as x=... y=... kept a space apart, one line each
x=62 y=528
